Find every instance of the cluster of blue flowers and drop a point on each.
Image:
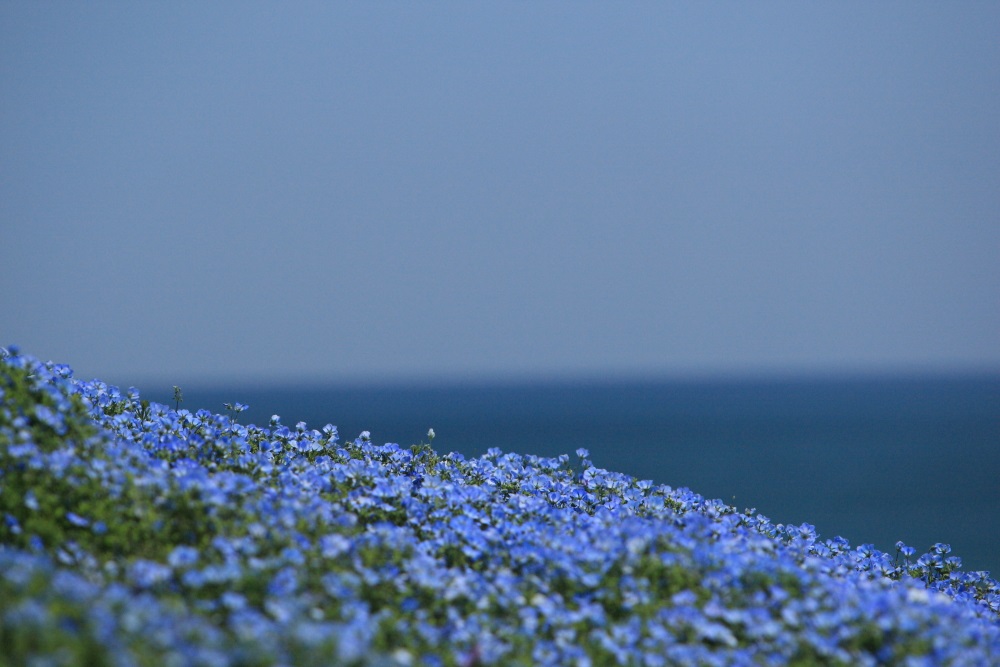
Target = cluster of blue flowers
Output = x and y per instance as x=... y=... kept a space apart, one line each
x=137 y=534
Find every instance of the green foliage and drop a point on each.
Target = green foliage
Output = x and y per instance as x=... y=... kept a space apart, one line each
x=125 y=522
x=21 y=397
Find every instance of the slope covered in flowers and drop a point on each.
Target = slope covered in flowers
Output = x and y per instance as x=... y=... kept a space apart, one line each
x=137 y=534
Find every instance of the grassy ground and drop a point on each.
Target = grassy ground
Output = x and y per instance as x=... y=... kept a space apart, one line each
x=140 y=533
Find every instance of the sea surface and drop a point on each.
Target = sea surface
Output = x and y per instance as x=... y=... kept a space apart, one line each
x=874 y=460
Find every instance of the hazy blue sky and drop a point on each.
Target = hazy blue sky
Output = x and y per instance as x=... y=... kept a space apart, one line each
x=383 y=190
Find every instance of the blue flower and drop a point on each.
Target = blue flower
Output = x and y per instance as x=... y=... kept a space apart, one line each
x=146 y=574
x=12 y=523
x=182 y=557
x=30 y=501
x=50 y=418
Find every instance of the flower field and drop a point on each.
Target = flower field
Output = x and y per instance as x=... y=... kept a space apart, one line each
x=136 y=533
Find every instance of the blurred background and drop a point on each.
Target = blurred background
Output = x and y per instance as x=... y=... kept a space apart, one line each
x=753 y=250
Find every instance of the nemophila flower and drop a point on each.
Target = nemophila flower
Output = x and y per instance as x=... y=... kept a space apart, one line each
x=77 y=520
x=25 y=450
x=50 y=418
x=182 y=557
x=146 y=574
x=30 y=501
x=333 y=545
x=12 y=524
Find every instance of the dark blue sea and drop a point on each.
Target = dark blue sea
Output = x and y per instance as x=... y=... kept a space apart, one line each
x=872 y=460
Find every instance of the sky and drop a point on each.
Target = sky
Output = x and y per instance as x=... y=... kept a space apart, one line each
x=377 y=191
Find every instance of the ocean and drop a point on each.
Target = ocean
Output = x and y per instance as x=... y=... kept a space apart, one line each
x=874 y=460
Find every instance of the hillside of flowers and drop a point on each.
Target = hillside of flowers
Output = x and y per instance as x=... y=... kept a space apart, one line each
x=136 y=533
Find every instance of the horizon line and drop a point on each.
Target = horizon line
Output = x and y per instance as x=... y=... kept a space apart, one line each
x=553 y=378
